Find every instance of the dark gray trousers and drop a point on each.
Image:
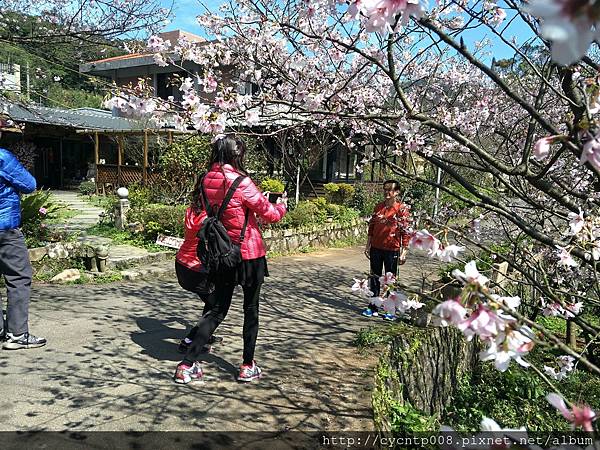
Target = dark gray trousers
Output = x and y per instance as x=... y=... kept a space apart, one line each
x=17 y=272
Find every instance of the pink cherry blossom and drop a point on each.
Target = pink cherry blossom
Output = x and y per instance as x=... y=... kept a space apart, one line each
x=579 y=416
x=387 y=279
x=565 y=258
x=43 y=211
x=450 y=312
x=541 y=149
x=362 y=287
x=591 y=152
x=424 y=240
x=252 y=117
x=507 y=345
x=450 y=252
x=572 y=309
x=576 y=222
x=566 y=24
x=483 y=322
x=471 y=275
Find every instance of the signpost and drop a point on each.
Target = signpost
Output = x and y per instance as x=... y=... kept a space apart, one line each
x=169 y=241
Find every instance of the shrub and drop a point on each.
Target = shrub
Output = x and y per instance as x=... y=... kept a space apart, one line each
x=365 y=198
x=159 y=219
x=345 y=214
x=306 y=213
x=339 y=193
x=139 y=195
x=272 y=185
x=345 y=193
x=36 y=208
x=331 y=192
x=87 y=188
x=179 y=166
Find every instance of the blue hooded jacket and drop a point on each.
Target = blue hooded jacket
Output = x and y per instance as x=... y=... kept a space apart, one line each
x=14 y=180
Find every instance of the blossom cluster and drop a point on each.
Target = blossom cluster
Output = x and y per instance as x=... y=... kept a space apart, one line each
x=565 y=365
x=555 y=309
x=478 y=313
x=570 y=25
x=391 y=299
x=424 y=240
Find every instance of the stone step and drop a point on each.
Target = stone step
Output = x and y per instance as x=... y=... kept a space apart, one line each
x=164 y=268
x=125 y=256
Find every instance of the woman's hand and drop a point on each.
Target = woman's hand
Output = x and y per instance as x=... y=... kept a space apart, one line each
x=283 y=199
x=402 y=255
x=368 y=250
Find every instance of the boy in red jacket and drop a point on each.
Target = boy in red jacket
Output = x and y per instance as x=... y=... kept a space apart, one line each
x=388 y=237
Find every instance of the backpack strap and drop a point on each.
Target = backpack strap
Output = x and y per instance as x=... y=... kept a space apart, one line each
x=207 y=208
x=226 y=200
x=228 y=196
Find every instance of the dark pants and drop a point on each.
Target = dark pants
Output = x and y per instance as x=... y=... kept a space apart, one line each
x=17 y=272
x=381 y=259
x=193 y=281
x=212 y=318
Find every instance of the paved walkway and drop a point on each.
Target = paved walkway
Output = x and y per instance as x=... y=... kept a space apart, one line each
x=87 y=214
x=112 y=352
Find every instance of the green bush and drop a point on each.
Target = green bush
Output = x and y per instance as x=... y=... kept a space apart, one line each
x=331 y=192
x=159 y=219
x=516 y=398
x=139 y=195
x=87 y=188
x=179 y=166
x=365 y=198
x=36 y=208
x=306 y=213
x=339 y=193
x=346 y=193
x=272 y=185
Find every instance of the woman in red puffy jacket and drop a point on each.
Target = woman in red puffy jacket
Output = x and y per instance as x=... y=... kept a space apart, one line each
x=226 y=164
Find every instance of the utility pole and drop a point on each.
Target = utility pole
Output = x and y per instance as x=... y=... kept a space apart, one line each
x=27 y=80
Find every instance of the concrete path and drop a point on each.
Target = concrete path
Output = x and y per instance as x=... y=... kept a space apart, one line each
x=112 y=353
x=87 y=215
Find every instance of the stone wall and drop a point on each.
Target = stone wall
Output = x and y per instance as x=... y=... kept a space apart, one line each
x=289 y=240
x=422 y=368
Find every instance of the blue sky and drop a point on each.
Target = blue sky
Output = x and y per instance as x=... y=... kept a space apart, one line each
x=185 y=12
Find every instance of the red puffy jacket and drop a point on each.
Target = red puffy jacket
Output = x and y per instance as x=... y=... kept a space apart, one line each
x=246 y=196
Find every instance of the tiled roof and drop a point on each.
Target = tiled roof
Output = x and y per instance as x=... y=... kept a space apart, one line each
x=83 y=118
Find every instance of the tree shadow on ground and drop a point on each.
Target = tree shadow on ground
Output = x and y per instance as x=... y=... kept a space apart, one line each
x=113 y=349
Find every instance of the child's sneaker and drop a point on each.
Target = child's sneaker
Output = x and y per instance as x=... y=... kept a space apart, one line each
x=388 y=316
x=249 y=372
x=184 y=374
x=370 y=313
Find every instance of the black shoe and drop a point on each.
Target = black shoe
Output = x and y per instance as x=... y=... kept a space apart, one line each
x=184 y=346
x=215 y=339
x=24 y=340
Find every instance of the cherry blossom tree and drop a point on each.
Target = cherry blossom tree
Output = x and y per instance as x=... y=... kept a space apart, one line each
x=517 y=140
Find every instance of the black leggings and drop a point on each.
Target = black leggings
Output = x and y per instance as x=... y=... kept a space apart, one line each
x=216 y=313
x=193 y=281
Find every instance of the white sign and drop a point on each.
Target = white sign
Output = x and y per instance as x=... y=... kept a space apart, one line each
x=169 y=241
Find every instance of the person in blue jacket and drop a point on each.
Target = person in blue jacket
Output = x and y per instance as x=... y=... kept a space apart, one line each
x=14 y=258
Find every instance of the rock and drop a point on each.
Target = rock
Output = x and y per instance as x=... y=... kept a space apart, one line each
x=66 y=275
x=35 y=254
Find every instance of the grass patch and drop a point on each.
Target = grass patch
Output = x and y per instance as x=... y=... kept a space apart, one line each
x=122 y=237
x=376 y=335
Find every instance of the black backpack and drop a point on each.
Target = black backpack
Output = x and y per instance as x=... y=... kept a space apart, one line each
x=216 y=251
